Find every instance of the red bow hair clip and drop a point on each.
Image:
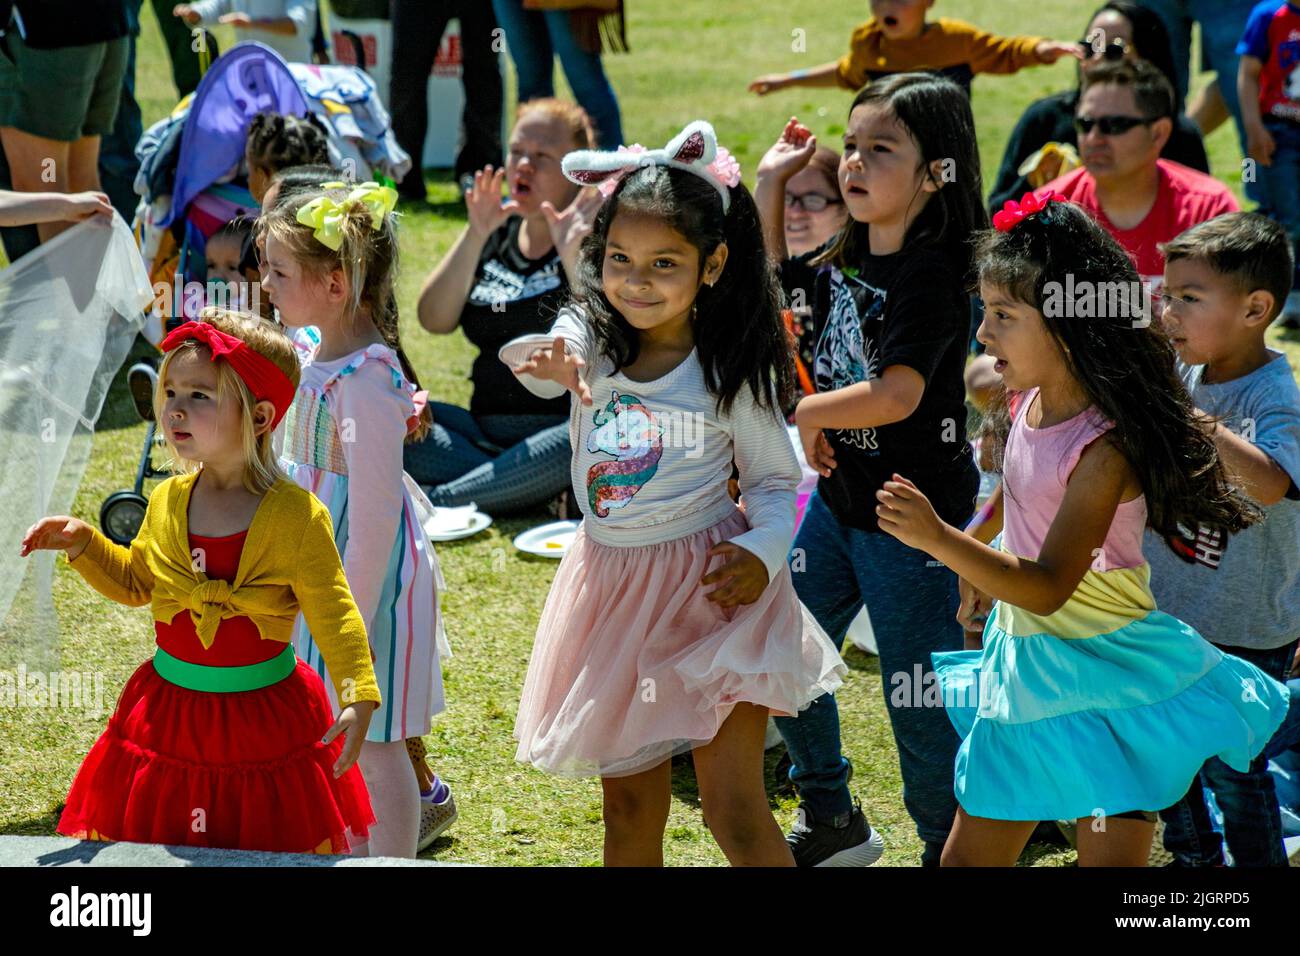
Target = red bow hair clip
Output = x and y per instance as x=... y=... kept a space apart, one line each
x=1013 y=212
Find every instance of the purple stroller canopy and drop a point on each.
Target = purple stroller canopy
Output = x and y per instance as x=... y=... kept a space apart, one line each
x=248 y=79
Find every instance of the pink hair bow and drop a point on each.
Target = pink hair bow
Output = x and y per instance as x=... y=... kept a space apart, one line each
x=1013 y=212
x=695 y=149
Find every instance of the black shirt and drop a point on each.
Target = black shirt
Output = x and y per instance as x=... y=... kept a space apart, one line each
x=1051 y=120
x=51 y=24
x=911 y=309
x=526 y=293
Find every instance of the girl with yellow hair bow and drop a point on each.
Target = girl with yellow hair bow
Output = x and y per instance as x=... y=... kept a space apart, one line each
x=330 y=261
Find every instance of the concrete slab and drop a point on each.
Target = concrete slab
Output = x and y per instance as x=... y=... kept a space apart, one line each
x=63 y=851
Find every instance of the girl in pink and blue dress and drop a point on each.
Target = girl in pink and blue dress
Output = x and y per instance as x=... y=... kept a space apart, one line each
x=1086 y=703
x=672 y=623
x=330 y=258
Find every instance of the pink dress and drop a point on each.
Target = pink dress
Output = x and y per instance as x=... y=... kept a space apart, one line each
x=632 y=663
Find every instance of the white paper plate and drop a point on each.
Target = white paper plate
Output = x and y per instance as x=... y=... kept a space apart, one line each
x=437 y=530
x=549 y=540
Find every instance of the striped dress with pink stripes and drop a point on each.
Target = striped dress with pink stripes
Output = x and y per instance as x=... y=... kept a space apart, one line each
x=343 y=441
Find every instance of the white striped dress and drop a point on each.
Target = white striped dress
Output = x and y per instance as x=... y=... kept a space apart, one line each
x=343 y=442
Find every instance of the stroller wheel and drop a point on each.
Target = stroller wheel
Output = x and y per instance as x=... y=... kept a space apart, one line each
x=121 y=516
x=142 y=380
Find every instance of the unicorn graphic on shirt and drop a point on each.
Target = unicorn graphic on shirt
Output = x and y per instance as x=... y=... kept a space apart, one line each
x=628 y=431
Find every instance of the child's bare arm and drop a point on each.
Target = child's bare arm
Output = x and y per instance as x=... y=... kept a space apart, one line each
x=1074 y=541
x=23 y=209
x=827 y=74
x=881 y=401
x=791 y=153
x=1252 y=468
x=1259 y=141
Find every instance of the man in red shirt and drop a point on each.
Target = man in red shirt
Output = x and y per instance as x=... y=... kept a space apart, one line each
x=1124 y=116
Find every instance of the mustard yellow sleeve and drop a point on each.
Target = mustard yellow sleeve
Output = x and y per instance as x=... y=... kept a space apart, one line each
x=321 y=588
x=987 y=53
x=121 y=574
x=851 y=70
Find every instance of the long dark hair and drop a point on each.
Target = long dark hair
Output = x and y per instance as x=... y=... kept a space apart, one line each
x=1125 y=367
x=736 y=323
x=936 y=113
x=1150 y=37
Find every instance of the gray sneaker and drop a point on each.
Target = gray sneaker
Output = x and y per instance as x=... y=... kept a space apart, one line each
x=435 y=818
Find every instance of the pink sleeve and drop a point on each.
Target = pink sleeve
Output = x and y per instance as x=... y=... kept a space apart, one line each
x=371 y=414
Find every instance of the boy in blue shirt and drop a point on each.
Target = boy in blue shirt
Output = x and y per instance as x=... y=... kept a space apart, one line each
x=1225 y=282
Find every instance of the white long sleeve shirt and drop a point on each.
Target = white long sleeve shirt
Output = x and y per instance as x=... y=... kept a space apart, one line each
x=295 y=48
x=651 y=460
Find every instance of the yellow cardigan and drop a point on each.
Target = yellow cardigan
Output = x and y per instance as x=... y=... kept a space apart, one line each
x=289 y=562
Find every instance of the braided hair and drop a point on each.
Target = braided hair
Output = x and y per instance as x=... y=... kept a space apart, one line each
x=276 y=141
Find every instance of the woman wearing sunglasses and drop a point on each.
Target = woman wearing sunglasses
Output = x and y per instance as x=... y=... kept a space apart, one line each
x=1117 y=31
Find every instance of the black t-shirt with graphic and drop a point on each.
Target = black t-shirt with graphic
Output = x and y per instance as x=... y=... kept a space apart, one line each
x=911 y=309
x=527 y=293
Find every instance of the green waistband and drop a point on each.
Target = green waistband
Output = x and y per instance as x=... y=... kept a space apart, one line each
x=224 y=680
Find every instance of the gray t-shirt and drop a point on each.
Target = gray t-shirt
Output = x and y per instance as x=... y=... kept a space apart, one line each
x=1242 y=590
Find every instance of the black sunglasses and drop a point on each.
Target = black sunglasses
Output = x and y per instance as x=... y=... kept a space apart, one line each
x=1109 y=125
x=1114 y=50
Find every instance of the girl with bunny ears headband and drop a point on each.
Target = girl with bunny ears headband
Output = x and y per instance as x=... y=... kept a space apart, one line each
x=734 y=306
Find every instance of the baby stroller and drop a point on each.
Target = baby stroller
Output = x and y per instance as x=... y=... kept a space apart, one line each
x=192 y=181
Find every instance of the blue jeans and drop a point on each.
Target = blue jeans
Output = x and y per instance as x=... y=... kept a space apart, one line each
x=1252 y=822
x=502 y=463
x=534 y=38
x=913 y=602
x=1277 y=187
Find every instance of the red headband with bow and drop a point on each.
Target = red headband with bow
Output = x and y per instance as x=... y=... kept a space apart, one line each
x=263 y=377
x=1013 y=212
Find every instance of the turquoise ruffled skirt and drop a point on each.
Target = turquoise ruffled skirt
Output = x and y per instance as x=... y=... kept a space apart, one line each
x=1062 y=729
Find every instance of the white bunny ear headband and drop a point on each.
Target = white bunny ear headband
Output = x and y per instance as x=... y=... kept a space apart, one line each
x=695 y=149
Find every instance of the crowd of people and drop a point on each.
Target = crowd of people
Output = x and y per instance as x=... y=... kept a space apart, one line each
x=1089 y=609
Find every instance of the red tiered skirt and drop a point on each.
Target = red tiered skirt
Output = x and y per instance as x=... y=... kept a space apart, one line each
x=243 y=770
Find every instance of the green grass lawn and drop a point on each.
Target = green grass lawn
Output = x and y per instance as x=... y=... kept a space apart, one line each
x=691 y=59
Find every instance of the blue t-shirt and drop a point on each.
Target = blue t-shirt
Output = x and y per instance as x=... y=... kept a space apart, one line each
x=1241 y=590
x=1273 y=37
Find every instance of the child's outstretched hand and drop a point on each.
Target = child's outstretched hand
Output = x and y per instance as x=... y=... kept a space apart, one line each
x=744 y=577
x=1049 y=51
x=769 y=83
x=791 y=152
x=57 y=533
x=483 y=203
x=907 y=514
x=555 y=364
x=817 y=450
x=354 y=721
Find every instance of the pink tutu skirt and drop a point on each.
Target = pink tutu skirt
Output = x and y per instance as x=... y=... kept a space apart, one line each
x=632 y=663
